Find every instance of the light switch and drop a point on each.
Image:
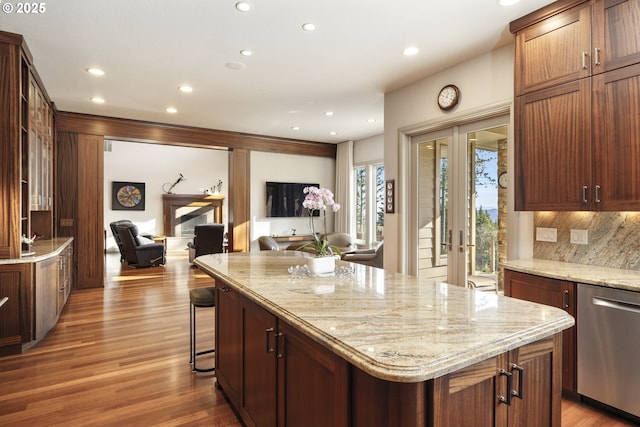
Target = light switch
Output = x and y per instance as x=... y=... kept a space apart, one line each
x=579 y=237
x=546 y=234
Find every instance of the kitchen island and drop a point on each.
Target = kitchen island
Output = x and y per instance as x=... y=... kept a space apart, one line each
x=370 y=347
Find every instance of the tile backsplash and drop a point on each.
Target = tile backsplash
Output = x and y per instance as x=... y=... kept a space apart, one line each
x=613 y=238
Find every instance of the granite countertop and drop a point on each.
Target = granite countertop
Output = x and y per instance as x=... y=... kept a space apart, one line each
x=41 y=250
x=591 y=274
x=392 y=326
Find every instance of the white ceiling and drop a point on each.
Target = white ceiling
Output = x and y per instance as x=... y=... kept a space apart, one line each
x=150 y=47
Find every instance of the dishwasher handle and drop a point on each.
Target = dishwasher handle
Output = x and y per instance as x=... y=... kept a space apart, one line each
x=616 y=304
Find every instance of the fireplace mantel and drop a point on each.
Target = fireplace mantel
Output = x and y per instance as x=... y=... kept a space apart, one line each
x=202 y=202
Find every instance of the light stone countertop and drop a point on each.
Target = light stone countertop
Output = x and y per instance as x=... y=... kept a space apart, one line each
x=591 y=274
x=392 y=326
x=42 y=250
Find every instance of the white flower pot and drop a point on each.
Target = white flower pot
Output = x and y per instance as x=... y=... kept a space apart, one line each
x=322 y=265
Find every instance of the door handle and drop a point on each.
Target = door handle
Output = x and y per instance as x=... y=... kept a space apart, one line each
x=509 y=375
x=520 y=372
x=565 y=299
x=584 y=194
x=267 y=333
x=462 y=246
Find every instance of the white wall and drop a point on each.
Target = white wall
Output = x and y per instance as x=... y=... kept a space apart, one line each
x=368 y=150
x=156 y=165
x=483 y=82
x=285 y=168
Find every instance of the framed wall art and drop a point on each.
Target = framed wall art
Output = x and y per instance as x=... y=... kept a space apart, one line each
x=127 y=196
x=390 y=196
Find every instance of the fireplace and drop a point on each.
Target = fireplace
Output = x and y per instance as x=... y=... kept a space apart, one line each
x=182 y=212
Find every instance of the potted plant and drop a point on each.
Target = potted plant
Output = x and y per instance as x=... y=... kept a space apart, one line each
x=320 y=199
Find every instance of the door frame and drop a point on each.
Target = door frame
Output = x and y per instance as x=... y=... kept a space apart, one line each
x=407 y=203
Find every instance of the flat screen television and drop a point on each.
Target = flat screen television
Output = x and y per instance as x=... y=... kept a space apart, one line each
x=284 y=199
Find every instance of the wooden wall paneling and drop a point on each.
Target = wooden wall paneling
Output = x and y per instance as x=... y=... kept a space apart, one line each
x=160 y=133
x=89 y=238
x=9 y=151
x=66 y=191
x=239 y=200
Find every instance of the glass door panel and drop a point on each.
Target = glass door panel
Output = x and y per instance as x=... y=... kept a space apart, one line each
x=459 y=203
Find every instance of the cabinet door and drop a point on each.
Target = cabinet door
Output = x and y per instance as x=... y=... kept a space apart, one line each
x=553 y=149
x=10 y=312
x=468 y=397
x=616 y=40
x=312 y=382
x=46 y=296
x=554 y=51
x=616 y=112
x=534 y=379
x=228 y=350
x=556 y=293
x=258 y=397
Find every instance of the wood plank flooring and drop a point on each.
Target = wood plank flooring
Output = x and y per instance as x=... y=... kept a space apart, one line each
x=119 y=357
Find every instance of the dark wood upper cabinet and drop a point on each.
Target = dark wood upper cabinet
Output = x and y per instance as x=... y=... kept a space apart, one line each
x=577 y=124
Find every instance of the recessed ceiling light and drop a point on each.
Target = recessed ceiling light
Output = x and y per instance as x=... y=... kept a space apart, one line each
x=98 y=100
x=245 y=52
x=185 y=88
x=295 y=127
x=333 y=133
x=410 y=51
x=508 y=2
x=171 y=110
x=243 y=6
x=95 y=71
x=308 y=26
x=371 y=120
x=329 y=113
x=238 y=66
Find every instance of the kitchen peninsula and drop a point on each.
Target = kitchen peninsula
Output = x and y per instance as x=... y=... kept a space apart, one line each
x=377 y=348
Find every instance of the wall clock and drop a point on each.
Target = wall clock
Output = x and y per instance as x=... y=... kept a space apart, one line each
x=502 y=180
x=127 y=196
x=448 y=97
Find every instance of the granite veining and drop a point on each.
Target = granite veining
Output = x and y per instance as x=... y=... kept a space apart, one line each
x=42 y=250
x=591 y=274
x=392 y=326
x=614 y=238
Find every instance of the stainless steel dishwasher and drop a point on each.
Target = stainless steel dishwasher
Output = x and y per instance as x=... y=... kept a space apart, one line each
x=609 y=346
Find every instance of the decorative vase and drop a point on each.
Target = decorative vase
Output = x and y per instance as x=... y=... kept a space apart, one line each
x=322 y=265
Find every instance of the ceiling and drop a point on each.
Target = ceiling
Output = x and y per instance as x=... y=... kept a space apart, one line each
x=148 y=48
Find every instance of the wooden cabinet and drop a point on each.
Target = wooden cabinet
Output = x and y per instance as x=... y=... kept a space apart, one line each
x=514 y=389
x=556 y=293
x=228 y=345
x=16 y=313
x=577 y=90
x=26 y=149
x=588 y=38
x=616 y=139
x=553 y=151
x=552 y=52
x=65 y=277
x=273 y=374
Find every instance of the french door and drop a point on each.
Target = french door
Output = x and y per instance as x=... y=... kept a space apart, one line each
x=460 y=200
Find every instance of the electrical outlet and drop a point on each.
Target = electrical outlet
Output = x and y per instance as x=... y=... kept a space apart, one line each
x=546 y=234
x=579 y=237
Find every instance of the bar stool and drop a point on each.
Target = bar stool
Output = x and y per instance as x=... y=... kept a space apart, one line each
x=198 y=298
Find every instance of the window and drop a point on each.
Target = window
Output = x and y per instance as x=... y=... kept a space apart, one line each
x=369 y=203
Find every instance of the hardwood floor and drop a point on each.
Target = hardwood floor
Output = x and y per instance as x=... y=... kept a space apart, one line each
x=119 y=357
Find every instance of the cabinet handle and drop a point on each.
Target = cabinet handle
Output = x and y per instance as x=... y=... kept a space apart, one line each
x=279 y=347
x=596 y=56
x=584 y=194
x=597 y=200
x=520 y=372
x=267 y=333
x=565 y=299
x=224 y=289
x=584 y=60
x=509 y=376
